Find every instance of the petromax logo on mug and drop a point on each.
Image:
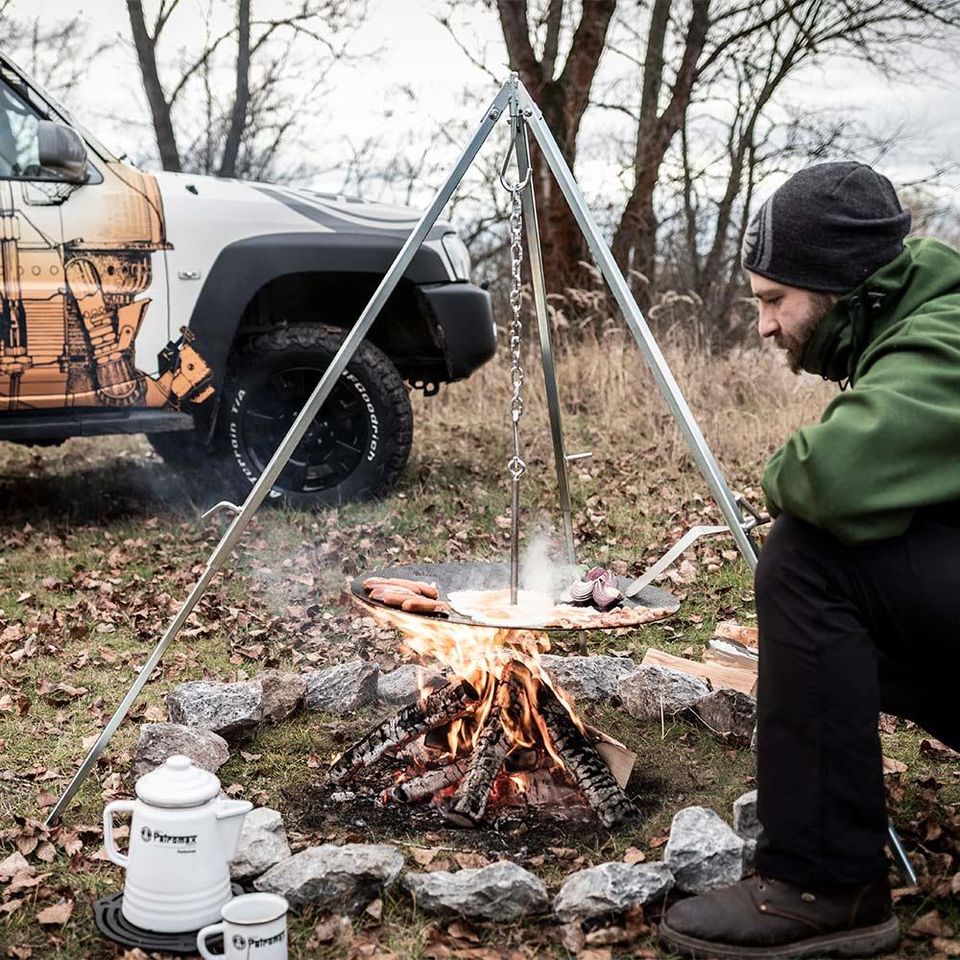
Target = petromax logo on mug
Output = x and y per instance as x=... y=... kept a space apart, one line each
x=255 y=942
x=179 y=839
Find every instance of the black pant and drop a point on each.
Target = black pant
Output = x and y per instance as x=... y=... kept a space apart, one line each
x=846 y=632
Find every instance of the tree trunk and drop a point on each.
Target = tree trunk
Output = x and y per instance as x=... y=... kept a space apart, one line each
x=159 y=108
x=634 y=243
x=238 y=116
x=563 y=100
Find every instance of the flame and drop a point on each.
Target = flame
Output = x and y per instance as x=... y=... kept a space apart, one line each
x=481 y=655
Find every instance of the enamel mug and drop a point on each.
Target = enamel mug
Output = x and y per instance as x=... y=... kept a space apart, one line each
x=254 y=927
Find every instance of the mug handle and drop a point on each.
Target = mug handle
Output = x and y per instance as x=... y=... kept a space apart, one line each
x=117 y=806
x=202 y=937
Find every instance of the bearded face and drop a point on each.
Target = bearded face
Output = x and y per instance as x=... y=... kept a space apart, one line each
x=789 y=315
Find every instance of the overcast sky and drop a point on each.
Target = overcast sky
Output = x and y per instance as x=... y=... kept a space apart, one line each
x=414 y=51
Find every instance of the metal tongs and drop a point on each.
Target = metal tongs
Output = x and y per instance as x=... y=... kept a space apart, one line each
x=753 y=519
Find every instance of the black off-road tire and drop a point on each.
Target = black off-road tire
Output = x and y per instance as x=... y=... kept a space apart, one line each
x=358 y=445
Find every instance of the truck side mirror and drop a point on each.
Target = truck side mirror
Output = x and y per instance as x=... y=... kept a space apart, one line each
x=62 y=149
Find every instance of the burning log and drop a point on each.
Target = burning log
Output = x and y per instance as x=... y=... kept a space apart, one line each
x=426 y=785
x=489 y=752
x=447 y=704
x=491 y=748
x=584 y=764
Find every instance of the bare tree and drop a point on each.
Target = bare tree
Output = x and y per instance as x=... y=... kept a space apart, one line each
x=694 y=74
x=237 y=130
x=30 y=42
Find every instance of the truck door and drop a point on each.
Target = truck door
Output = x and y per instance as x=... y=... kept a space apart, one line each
x=33 y=323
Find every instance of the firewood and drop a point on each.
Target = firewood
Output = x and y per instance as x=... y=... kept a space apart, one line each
x=731 y=630
x=719 y=675
x=447 y=704
x=426 y=785
x=585 y=765
x=491 y=747
x=489 y=751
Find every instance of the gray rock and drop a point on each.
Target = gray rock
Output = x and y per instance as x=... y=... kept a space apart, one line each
x=588 y=678
x=232 y=710
x=745 y=822
x=343 y=688
x=283 y=694
x=749 y=856
x=649 y=689
x=703 y=852
x=730 y=714
x=611 y=888
x=402 y=686
x=263 y=843
x=500 y=891
x=161 y=740
x=338 y=879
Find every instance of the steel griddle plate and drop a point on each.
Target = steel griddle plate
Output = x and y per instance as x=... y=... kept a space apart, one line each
x=451 y=577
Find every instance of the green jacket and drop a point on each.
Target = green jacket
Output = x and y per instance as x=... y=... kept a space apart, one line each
x=890 y=444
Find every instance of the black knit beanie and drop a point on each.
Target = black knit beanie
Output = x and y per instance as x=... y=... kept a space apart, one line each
x=827 y=228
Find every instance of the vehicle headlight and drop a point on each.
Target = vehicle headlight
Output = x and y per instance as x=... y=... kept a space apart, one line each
x=459 y=255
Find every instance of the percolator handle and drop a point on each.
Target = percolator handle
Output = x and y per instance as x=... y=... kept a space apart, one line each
x=116 y=806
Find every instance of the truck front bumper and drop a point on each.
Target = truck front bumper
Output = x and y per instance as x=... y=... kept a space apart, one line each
x=464 y=321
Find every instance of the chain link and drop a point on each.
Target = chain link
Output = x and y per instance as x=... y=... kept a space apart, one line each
x=515 y=465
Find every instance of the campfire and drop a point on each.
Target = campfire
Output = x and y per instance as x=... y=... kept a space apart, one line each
x=497 y=732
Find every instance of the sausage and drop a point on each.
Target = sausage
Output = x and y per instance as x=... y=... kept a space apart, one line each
x=416 y=586
x=423 y=605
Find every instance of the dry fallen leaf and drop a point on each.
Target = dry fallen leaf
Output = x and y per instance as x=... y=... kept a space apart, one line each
x=929 y=925
x=423 y=855
x=891 y=766
x=461 y=930
x=13 y=865
x=572 y=936
x=56 y=915
x=374 y=909
x=468 y=860
x=634 y=855
x=595 y=953
x=333 y=929
x=930 y=747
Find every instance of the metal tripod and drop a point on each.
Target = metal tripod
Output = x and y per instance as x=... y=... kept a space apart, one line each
x=524 y=114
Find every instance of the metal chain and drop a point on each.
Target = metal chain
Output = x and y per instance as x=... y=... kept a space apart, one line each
x=515 y=465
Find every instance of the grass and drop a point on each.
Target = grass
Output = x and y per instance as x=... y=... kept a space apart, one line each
x=102 y=543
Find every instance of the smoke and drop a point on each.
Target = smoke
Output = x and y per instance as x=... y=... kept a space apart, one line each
x=541 y=568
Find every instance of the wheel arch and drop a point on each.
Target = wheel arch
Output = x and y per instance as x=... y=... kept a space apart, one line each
x=263 y=282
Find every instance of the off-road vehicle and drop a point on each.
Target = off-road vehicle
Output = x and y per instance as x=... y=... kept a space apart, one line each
x=202 y=311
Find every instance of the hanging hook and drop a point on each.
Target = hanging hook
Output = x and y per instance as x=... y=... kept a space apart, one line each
x=515 y=122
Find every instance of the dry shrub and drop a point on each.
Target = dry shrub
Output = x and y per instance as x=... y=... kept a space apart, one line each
x=746 y=402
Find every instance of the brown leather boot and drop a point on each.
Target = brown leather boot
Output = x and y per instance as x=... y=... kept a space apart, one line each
x=760 y=917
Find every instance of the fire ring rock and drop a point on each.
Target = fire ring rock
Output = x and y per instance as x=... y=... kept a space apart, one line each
x=231 y=710
x=500 y=891
x=611 y=888
x=730 y=714
x=403 y=686
x=703 y=852
x=283 y=693
x=263 y=843
x=158 y=741
x=588 y=678
x=652 y=689
x=343 y=688
x=745 y=822
x=337 y=879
